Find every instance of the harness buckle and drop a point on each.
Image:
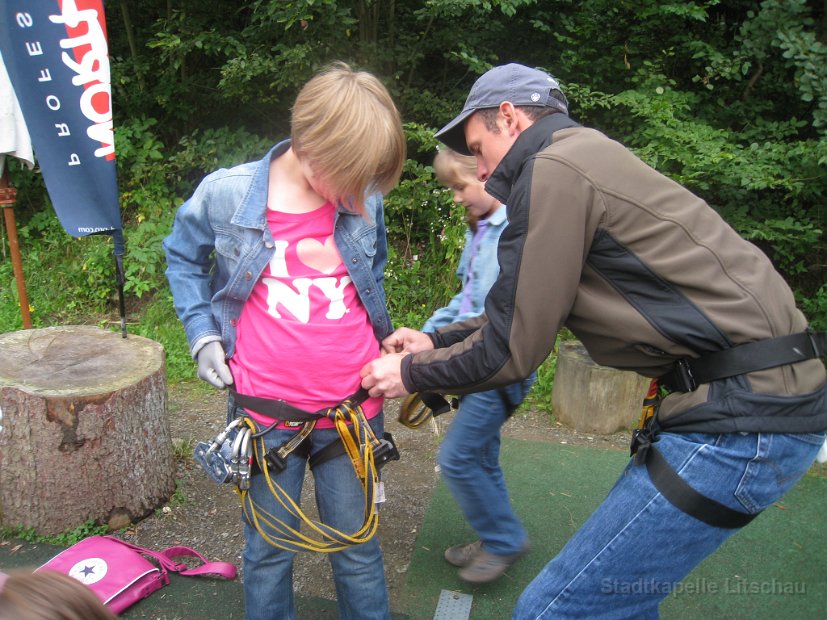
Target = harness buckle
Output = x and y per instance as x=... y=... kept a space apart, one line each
x=684 y=380
x=385 y=451
x=641 y=441
x=275 y=459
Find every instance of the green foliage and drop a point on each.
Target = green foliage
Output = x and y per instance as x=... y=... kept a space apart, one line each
x=815 y=307
x=65 y=539
x=539 y=397
x=64 y=278
x=159 y=322
x=727 y=98
x=426 y=232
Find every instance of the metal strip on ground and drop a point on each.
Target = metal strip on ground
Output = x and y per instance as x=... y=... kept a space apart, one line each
x=453 y=606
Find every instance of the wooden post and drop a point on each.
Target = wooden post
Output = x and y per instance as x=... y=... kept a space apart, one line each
x=83 y=429
x=8 y=197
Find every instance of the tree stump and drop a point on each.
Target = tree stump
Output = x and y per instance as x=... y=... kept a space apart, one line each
x=592 y=398
x=83 y=428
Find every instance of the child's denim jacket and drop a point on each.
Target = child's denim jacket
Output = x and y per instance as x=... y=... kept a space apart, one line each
x=220 y=244
x=486 y=269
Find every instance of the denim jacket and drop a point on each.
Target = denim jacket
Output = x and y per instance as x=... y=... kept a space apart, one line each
x=486 y=270
x=220 y=244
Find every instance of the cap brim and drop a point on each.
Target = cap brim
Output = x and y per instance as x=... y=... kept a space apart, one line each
x=453 y=134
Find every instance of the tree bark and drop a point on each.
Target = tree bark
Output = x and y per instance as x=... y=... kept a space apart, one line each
x=592 y=398
x=83 y=429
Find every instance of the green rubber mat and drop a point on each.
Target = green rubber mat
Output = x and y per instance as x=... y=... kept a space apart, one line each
x=775 y=568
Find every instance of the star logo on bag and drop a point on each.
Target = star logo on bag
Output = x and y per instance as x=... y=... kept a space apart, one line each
x=89 y=571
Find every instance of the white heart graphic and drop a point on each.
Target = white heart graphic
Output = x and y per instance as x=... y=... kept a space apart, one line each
x=322 y=257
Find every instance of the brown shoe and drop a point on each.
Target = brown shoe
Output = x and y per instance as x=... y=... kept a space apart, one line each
x=461 y=555
x=485 y=567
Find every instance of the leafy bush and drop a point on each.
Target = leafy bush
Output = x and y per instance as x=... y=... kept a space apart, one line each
x=426 y=232
x=729 y=99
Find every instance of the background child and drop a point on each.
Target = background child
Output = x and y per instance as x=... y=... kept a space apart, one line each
x=276 y=268
x=469 y=455
x=48 y=595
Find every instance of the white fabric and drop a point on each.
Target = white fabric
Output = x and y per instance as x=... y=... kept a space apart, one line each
x=14 y=136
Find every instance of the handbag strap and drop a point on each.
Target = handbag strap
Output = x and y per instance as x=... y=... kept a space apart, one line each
x=165 y=559
x=219 y=569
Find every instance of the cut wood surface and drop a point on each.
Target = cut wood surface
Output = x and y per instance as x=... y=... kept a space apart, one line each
x=83 y=428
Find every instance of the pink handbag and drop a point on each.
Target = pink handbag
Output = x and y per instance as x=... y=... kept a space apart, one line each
x=119 y=574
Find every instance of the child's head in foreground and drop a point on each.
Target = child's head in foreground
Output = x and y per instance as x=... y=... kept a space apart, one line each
x=48 y=595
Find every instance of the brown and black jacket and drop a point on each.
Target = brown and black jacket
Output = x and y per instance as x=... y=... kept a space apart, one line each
x=641 y=270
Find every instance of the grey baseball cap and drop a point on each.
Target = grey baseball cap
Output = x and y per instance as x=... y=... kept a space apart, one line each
x=518 y=84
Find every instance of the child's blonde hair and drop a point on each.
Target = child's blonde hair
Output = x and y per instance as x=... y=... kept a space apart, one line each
x=453 y=168
x=48 y=595
x=346 y=126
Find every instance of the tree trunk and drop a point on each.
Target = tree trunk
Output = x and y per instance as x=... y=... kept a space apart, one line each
x=83 y=428
x=595 y=399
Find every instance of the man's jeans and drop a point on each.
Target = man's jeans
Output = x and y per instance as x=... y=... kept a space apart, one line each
x=469 y=460
x=358 y=571
x=636 y=547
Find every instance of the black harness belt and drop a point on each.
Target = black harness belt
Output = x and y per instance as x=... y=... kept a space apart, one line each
x=281 y=410
x=688 y=373
x=385 y=450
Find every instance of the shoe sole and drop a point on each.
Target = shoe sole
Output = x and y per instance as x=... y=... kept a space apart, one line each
x=471 y=578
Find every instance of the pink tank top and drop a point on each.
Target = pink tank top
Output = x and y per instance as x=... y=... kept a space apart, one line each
x=304 y=335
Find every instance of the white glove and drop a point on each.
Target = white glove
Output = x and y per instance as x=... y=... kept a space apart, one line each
x=212 y=366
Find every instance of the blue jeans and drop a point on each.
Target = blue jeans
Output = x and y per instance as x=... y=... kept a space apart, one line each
x=358 y=571
x=469 y=460
x=636 y=547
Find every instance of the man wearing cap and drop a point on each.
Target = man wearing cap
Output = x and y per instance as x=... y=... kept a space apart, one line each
x=650 y=279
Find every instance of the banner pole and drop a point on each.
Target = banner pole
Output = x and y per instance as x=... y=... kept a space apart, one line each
x=8 y=197
x=120 y=280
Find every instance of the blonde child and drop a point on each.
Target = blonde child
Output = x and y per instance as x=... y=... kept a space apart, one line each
x=469 y=455
x=276 y=268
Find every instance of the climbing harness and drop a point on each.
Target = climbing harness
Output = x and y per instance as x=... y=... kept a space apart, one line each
x=667 y=481
x=238 y=452
x=686 y=376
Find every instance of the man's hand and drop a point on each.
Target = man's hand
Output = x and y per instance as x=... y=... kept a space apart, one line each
x=212 y=366
x=383 y=376
x=406 y=340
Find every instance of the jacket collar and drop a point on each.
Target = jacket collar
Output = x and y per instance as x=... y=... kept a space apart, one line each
x=528 y=143
x=250 y=213
x=498 y=217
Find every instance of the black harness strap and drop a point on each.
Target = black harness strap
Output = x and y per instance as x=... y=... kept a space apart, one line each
x=689 y=373
x=281 y=410
x=681 y=495
x=435 y=402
